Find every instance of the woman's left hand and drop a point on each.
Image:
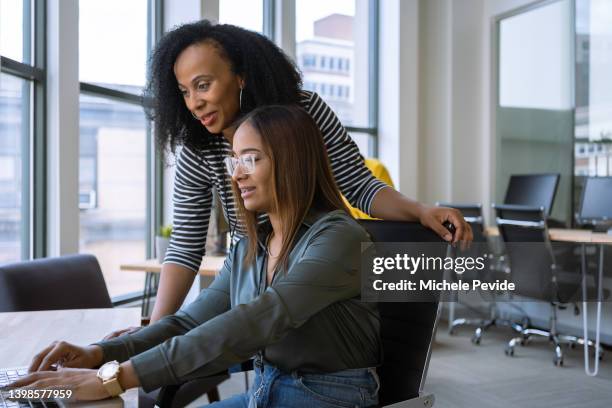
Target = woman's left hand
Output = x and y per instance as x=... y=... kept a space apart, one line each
x=84 y=383
x=435 y=217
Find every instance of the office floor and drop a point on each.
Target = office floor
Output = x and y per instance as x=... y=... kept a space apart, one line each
x=463 y=375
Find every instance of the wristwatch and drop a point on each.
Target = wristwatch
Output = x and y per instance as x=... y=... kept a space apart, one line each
x=108 y=374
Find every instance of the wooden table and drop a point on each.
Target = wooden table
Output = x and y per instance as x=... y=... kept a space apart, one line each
x=24 y=334
x=579 y=236
x=209 y=267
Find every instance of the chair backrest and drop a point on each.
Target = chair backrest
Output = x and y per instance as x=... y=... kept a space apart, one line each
x=67 y=282
x=536 y=190
x=525 y=235
x=473 y=216
x=407 y=329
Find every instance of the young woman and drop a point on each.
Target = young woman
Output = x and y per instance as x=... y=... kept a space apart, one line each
x=289 y=291
x=203 y=78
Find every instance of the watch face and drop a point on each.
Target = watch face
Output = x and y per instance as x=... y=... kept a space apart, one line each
x=108 y=370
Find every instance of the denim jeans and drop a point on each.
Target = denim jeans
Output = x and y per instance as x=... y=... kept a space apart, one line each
x=272 y=388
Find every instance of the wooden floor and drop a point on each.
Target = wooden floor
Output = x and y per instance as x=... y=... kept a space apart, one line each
x=463 y=375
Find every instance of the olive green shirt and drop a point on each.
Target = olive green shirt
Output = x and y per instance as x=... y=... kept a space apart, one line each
x=310 y=318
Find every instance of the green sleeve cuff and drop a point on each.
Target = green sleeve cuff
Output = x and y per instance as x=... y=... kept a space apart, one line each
x=153 y=369
x=119 y=349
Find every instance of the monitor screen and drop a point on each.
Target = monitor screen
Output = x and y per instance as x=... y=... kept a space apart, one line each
x=597 y=199
x=534 y=190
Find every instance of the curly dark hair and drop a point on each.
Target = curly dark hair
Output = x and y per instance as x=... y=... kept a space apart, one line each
x=270 y=78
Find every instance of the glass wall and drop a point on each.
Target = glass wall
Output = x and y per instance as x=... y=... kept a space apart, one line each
x=593 y=119
x=535 y=116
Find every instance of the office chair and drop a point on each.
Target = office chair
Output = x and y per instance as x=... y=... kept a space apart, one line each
x=67 y=282
x=535 y=272
x=407 y=330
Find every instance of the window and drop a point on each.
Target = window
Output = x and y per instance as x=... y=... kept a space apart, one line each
x=14 y=42
x=112 y=187
x=244 y=13
x=327 y=29
x=115 y=149
x=21 y=90
x=14 y=137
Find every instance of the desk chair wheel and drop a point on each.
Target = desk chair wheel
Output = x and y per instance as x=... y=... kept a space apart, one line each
x=509 y=351
x=476 y=339
x=558 y=358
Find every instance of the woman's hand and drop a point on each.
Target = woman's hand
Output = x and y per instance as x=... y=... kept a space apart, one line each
x=117 y=333
x=84 y=383
x=66 y=355
x=435 y=217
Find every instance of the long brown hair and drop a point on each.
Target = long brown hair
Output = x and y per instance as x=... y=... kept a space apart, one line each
x=301 y=172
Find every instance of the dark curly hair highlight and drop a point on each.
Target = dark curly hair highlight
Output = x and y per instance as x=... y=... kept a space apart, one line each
x=270 y=78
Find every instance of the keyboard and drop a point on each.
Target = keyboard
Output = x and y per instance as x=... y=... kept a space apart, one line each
x=7 y=376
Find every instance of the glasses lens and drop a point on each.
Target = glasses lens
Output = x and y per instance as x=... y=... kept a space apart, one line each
x=248 y=163
x=229 y=165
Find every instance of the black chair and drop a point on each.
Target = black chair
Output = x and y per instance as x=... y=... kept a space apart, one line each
x=67 y=282
x=536 y=273
x=473 y=215
x=407 y=330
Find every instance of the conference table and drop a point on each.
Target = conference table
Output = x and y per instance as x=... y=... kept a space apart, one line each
x=584 y=238
x=24 y=334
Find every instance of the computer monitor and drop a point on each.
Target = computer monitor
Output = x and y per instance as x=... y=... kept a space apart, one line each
x=533 y=190
x=596 y=203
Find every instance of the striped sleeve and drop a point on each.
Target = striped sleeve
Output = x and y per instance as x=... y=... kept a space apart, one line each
x=354 y=179
x=192 y=200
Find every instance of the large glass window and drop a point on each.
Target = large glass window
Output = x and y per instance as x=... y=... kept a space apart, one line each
x=244 y=13
x=14 y=40
x=113 y=43
x=335 y=59
x=14 y=141
x=112 y=187
x=593 y=119
x=21 y=90
x=115 y=141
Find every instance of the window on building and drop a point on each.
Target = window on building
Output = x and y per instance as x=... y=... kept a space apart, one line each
x=327 y=29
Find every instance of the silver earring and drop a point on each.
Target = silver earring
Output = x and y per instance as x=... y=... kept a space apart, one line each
x=194 y=116
x=240 y=100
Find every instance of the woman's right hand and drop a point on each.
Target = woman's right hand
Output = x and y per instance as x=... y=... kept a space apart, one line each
x=117 y=333
x=67 y=355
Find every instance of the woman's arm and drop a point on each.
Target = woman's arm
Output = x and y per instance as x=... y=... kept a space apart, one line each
x=389 y=204
x=326 y=273
x=370 y=195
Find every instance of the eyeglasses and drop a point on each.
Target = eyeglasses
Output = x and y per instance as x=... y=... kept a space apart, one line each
x=246 y=163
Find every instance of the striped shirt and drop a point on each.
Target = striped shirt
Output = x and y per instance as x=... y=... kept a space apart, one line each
x=198 y=172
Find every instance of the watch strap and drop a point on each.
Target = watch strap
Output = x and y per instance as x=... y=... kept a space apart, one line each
x=113 y=387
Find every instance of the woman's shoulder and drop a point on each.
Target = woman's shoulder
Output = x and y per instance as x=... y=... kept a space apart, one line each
x=339 y=222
